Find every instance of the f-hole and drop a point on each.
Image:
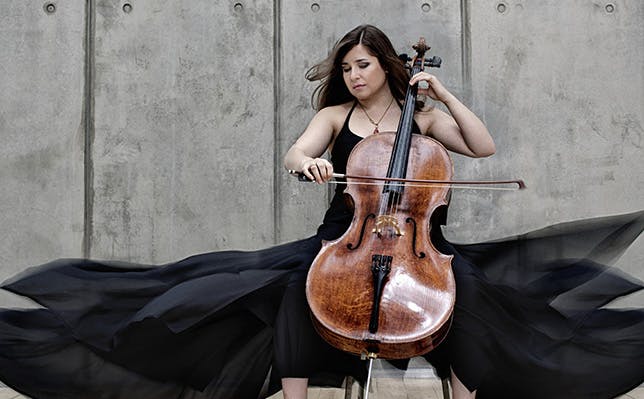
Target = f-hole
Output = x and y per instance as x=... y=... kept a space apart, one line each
x=420 y=255
x=364 y=226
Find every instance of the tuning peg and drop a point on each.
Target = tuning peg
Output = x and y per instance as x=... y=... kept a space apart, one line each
x=434 y=62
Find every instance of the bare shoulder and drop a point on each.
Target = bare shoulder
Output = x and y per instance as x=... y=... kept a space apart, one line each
x=335 y=115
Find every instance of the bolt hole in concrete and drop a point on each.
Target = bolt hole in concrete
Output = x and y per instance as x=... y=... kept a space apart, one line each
x=127 y=8
x=425 y=7
x=610 y=8
x=501 y=7
x=238 y=7
x=50 y=8
x=315 y=7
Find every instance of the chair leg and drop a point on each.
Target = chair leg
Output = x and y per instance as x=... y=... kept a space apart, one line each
x=349 y=383
x=445 y=388
x=348 y=387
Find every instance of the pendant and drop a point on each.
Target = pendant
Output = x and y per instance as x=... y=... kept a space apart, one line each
x=376 y=131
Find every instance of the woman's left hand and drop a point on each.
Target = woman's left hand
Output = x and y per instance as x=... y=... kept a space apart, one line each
x=435 y=89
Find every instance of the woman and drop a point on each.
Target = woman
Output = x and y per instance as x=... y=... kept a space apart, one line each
x=363 y=85
x=215 y=325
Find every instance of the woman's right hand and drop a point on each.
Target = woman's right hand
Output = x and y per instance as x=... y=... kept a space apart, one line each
x=318 y=170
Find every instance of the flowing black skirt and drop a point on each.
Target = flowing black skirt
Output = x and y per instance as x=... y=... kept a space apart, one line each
x=529 y=322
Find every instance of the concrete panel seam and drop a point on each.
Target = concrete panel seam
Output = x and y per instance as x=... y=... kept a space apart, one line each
x=466 y=51
x=277 y=120
x=88 y=117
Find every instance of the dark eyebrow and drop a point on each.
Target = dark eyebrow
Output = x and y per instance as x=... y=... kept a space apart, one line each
x=358 y=60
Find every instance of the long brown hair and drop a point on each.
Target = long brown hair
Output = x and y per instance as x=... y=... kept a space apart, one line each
x=332 y=89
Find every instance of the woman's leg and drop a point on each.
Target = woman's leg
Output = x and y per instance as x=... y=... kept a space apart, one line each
x=294 y=388
x=294 y=339
x=459 y=390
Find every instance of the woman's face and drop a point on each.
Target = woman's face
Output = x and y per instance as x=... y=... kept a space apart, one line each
x=362 y=73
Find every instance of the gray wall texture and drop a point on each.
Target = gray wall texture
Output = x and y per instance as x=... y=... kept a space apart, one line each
x=150 y=130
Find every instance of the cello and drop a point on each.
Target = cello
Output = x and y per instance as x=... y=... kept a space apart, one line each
x=382 y=289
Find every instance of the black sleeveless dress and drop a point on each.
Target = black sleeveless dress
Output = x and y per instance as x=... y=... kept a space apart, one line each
x=529 y=320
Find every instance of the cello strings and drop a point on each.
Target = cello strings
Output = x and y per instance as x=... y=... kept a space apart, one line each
x=396 y=202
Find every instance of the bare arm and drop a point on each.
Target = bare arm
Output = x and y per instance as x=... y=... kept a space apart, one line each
x=460 y=131
x=305 y=155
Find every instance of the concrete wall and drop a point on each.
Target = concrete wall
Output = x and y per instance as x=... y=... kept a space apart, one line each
x=149 y=130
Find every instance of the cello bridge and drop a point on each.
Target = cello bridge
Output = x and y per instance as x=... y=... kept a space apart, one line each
x=383 y=221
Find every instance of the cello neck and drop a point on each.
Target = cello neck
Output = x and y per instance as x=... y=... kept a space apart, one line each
x=400 y=152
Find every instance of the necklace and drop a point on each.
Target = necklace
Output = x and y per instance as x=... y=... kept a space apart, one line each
x=375 y=130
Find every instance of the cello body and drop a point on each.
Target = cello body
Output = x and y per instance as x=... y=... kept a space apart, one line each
x=406 y=310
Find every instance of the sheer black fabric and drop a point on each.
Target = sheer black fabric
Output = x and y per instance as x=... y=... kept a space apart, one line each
x=529 y=320
x=207 y=323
